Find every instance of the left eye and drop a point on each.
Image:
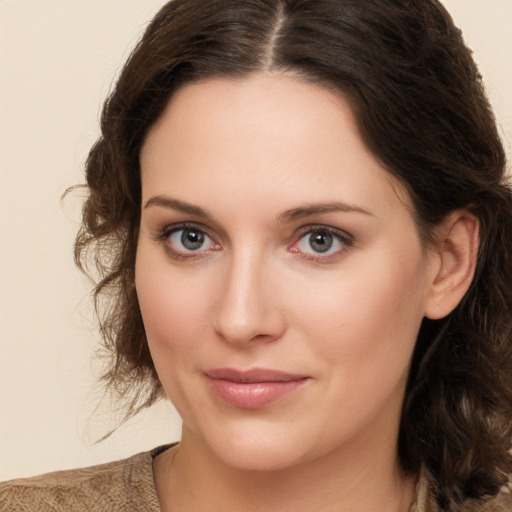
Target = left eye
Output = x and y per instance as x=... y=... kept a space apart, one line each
x=321 y=242
x=190 y=240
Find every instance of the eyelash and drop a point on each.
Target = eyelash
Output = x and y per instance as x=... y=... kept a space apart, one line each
x=342 y=237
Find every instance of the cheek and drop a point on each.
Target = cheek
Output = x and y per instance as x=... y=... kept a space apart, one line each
x=172 y=304
x=173 y=313
x=368 y=317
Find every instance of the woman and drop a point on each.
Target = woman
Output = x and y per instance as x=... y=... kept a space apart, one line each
x=301 y=216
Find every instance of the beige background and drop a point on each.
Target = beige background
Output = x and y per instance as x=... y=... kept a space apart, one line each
x=57 y=61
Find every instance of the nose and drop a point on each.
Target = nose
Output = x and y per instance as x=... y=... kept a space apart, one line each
x=247 y=308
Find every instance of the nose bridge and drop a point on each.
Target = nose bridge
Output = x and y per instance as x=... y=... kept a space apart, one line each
x=245 y=309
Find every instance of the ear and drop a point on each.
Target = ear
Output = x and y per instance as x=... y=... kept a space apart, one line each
x=453 y=263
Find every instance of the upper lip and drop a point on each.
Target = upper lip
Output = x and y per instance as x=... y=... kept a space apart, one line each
x=253 y=375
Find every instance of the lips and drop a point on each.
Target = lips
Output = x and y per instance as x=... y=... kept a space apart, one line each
x=252 y=389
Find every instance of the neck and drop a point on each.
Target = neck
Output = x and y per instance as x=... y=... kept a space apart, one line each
x=362 y=477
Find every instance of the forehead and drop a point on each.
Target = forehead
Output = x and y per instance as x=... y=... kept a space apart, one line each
x=294 y=140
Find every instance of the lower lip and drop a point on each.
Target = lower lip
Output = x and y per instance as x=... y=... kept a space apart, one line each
x=253 y=395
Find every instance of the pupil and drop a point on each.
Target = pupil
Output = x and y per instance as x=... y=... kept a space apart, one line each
x=321 y=241
x=192 y=240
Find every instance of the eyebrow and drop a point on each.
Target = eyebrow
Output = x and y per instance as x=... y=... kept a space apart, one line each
x=175 y=204
x=316 y=208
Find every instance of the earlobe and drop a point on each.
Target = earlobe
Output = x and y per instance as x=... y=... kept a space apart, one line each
x=455 y=258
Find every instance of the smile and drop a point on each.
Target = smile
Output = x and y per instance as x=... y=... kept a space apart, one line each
x=252 y=389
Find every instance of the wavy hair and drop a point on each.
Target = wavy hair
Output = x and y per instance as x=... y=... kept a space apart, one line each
x=421 y=109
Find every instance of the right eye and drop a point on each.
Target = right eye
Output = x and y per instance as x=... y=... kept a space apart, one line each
x=188 y=241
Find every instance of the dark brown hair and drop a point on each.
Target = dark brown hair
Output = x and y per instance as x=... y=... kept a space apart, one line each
x=421 y=109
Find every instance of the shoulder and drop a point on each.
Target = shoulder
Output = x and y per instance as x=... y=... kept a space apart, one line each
x=122 y=485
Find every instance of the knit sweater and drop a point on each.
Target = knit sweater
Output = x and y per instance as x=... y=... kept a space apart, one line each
x=128 y=486
x=122 y=486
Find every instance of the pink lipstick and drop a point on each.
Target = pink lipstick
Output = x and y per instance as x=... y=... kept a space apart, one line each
x=252 y=389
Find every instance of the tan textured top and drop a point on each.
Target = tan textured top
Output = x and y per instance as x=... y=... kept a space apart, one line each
x=128 y=486
x=122 y=486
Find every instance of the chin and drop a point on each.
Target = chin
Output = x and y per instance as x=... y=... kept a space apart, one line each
x=259 y=458
x=259 y=450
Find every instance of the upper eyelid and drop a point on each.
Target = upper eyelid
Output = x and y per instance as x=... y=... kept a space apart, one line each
x=212 y=229
x=322 y=227
x=171 y=228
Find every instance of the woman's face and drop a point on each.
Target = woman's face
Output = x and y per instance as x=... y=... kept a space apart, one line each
x=280 y=274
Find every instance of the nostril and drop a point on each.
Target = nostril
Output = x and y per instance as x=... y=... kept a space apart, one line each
x=255 y=327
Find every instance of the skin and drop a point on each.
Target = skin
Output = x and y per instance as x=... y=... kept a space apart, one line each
x=249 y=158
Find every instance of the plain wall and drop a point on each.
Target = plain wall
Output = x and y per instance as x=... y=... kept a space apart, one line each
x=58 y=59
